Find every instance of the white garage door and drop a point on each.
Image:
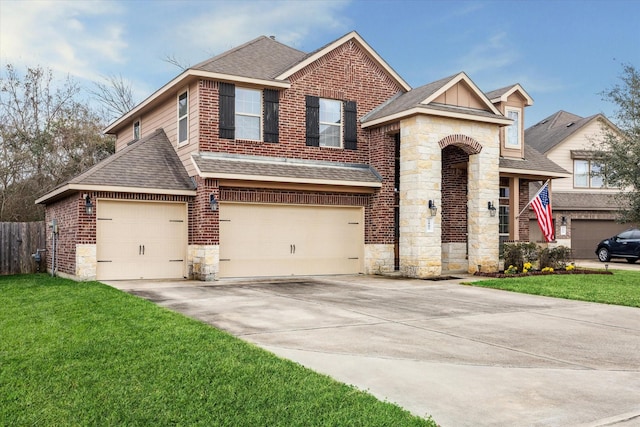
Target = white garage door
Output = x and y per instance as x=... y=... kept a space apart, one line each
x=279 y=240
x=140 y=240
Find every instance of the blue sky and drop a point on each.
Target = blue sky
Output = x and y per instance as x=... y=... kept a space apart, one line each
x=564 y=53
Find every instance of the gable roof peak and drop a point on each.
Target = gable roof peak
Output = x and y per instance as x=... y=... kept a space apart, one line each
x=502 y=94
x=350 y=36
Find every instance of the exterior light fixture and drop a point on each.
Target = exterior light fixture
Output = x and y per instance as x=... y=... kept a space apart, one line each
x=88 y=206
x=492 y=208
x=563 y=220
x=213 y=202
x=433 y=208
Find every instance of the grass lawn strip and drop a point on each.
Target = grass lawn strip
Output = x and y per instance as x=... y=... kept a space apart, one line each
x=621 y=288
x=86 y=354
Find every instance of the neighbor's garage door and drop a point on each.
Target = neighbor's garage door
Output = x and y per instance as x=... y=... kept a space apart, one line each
x=277 y=240
x=140 y=240
x=586 y=234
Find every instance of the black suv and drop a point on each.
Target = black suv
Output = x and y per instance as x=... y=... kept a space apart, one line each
x=624 y=245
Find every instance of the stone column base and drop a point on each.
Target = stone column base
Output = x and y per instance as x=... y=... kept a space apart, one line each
x=379 y=259
x=203 y=262
x=86 y=262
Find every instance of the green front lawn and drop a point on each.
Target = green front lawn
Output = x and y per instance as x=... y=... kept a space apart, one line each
x=621 y=288
x=86 y=354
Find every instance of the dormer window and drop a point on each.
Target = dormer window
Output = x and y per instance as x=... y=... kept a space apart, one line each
x=514 y=131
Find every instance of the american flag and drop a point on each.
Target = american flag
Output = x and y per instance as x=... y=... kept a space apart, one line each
x=542 y=207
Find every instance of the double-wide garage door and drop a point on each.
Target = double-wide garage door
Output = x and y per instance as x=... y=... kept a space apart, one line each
x=140 y=240
x=278 y=240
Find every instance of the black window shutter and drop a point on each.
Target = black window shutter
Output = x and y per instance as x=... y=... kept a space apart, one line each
x=227 y=110
x=313 y=121
x=350 y=125
x=271 y=105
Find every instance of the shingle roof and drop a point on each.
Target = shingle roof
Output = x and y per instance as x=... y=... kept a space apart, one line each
x=584 y=201
x=281 y=169
x=260 y=58
x=413 y=99
x=551 y=131
x=150 y=162
x=533 y=161
x=580 y=200
x=499 y=92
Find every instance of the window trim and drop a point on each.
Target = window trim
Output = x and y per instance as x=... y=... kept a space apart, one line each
x=340 y=125
x=180 y=118
x=590 y=177
x=507 y=110
x=259 y=115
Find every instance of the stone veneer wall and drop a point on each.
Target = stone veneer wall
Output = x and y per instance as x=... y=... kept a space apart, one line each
x=379 y=259
x=421 y=175
x=203 y=262
x=86 y=264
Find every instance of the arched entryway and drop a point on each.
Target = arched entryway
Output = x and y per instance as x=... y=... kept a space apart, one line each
x=455 y=224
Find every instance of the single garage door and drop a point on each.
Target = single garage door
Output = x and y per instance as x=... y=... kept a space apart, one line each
x=140 y=240
x=586 y=234
x=279 y=240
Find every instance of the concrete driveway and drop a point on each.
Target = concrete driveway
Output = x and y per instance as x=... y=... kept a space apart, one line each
x=467 y=356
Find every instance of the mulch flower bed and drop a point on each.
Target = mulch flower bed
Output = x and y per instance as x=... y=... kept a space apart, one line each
x=502 y=274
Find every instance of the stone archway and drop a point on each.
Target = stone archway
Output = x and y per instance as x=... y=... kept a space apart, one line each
x=464 y=142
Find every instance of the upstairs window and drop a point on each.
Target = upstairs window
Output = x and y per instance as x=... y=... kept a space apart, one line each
x=183 y=117
x=514 y=131
x=136 y=130
x=331 y=123
x=248 y=112
x=588 y=174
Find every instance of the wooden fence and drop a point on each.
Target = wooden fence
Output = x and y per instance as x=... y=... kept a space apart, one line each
x=18 y=240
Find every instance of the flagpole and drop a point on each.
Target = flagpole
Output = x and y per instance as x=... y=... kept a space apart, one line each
x=533 y=198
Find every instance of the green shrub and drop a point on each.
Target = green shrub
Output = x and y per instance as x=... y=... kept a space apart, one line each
x=516 y=254
x=556 y=258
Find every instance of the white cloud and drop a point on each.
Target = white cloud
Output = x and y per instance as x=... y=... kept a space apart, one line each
x=73 y=37
x=493 y=54
x=229 y=24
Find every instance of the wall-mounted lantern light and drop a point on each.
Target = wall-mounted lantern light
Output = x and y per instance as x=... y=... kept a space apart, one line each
x=433 y=208
x=492 y=208
x=213 y=202
x=563 y=220
x=88 y=206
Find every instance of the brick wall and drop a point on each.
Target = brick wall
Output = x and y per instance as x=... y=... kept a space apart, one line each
x=379 y=213
x=454 y=195
x=203 y=222
x=66 y=211
x=347 y=73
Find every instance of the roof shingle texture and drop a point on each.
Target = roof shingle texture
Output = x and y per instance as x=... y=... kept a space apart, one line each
x=260 y=58
x=533 y=161
x=150 y=162
x=551 y=131
x=210 y=163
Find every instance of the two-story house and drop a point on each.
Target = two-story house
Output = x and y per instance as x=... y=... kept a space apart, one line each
x=585 y=208
x=269 y=161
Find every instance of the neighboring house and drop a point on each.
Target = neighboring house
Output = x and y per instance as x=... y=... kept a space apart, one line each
x=584 y=208
x=266 y=161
